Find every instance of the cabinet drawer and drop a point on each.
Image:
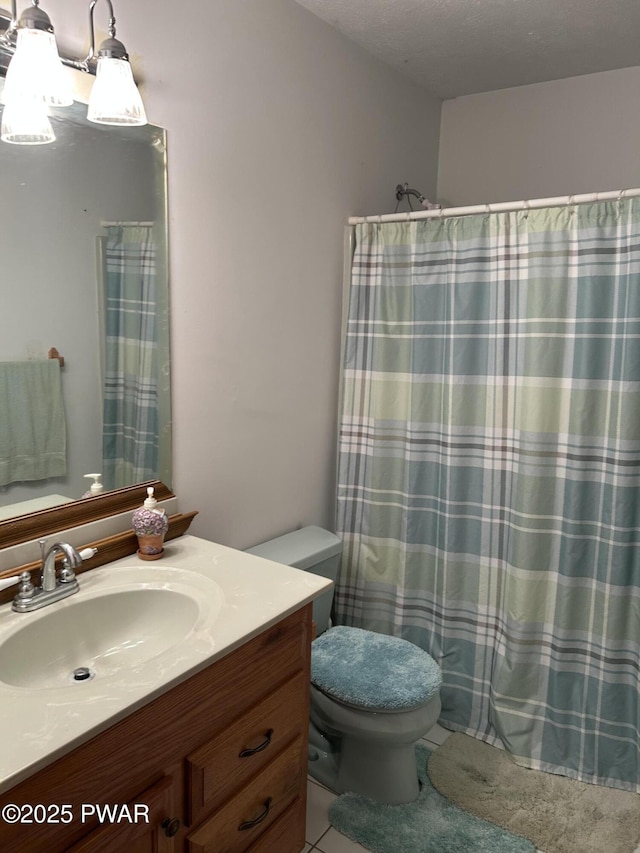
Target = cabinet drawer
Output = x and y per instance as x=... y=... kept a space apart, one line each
x=243 y=818
x=286 y=835
x=253 y=670
x=244 y=747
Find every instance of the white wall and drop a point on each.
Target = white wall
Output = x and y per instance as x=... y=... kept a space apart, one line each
x=561 y=138
x=278 y=130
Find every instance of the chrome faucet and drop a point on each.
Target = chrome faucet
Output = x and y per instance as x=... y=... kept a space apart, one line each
x=71 y=558
x=52 y=588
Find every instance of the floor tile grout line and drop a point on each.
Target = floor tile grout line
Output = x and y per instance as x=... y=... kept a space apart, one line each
x=319 y=839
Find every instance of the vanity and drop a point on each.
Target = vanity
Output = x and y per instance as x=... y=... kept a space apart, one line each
x=190 y=732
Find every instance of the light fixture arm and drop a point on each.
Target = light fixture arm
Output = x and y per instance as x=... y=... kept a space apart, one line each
x=112 y=46
x=10 y=35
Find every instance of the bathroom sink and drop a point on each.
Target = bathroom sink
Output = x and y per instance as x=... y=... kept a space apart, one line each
x=120 y=620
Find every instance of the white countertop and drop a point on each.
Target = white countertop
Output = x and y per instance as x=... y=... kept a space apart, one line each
x=32 y=505
x=39 y=725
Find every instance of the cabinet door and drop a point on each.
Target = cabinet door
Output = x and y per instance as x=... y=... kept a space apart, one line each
x=160 y=834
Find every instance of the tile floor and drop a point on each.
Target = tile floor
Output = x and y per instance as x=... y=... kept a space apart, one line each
x=321 y=837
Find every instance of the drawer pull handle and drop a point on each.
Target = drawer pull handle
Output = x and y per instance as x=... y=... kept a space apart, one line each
x=171 y=826
x=245 y=753
x=249 y=824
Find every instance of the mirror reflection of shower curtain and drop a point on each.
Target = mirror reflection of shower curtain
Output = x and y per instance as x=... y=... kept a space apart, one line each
x=130 y=369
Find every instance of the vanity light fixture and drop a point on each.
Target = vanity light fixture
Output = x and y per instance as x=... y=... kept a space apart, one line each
x=35 y=72
x=114 y=97
x=35 y=78
x=25 y=122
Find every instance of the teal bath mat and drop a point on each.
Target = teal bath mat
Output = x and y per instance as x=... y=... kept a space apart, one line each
x=431 y=824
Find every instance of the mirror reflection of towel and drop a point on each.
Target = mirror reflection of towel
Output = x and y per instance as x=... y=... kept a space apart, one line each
x=32 y=422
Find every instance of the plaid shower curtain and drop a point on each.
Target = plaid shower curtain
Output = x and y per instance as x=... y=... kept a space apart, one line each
x=489 y=465
x=130 y=417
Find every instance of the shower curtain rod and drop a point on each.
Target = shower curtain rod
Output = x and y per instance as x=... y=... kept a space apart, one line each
x=500 y=207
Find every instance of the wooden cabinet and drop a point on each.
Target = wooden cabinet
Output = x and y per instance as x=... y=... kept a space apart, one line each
x=216 y=763
x=153 y=834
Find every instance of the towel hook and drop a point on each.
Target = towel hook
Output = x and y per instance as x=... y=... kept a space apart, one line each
x=53 y=353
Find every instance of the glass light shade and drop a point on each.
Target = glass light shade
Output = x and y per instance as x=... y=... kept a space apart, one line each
x=35 y=71
x=25 y=122
x=114 y=97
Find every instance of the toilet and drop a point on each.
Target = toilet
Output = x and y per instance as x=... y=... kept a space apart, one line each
x=372 y=696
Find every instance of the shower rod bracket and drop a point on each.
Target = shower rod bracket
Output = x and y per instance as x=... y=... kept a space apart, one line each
x=404 y=190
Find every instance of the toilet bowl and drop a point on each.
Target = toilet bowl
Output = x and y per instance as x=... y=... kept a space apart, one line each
x=372 y=696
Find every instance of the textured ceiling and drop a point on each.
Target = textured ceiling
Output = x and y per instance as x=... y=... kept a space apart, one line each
x=460 y=47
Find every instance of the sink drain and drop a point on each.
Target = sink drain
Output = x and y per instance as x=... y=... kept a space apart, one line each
x=82 y=673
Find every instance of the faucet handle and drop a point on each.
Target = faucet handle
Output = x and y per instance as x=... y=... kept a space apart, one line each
x=67 y=574
x=7 y=582
x=26 y=589
x=88 y=553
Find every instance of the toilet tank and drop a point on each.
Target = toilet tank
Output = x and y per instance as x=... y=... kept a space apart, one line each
x=311 y=549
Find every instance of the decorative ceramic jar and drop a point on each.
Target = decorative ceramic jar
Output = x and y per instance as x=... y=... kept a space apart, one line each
x=150 y=525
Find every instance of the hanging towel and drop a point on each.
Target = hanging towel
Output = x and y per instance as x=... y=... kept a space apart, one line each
x=32 y=422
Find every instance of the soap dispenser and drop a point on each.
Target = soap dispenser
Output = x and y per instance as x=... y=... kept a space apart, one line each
x=96 y=486
x=150 y=523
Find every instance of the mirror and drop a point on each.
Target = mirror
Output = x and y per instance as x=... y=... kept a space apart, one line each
x=64 y=206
